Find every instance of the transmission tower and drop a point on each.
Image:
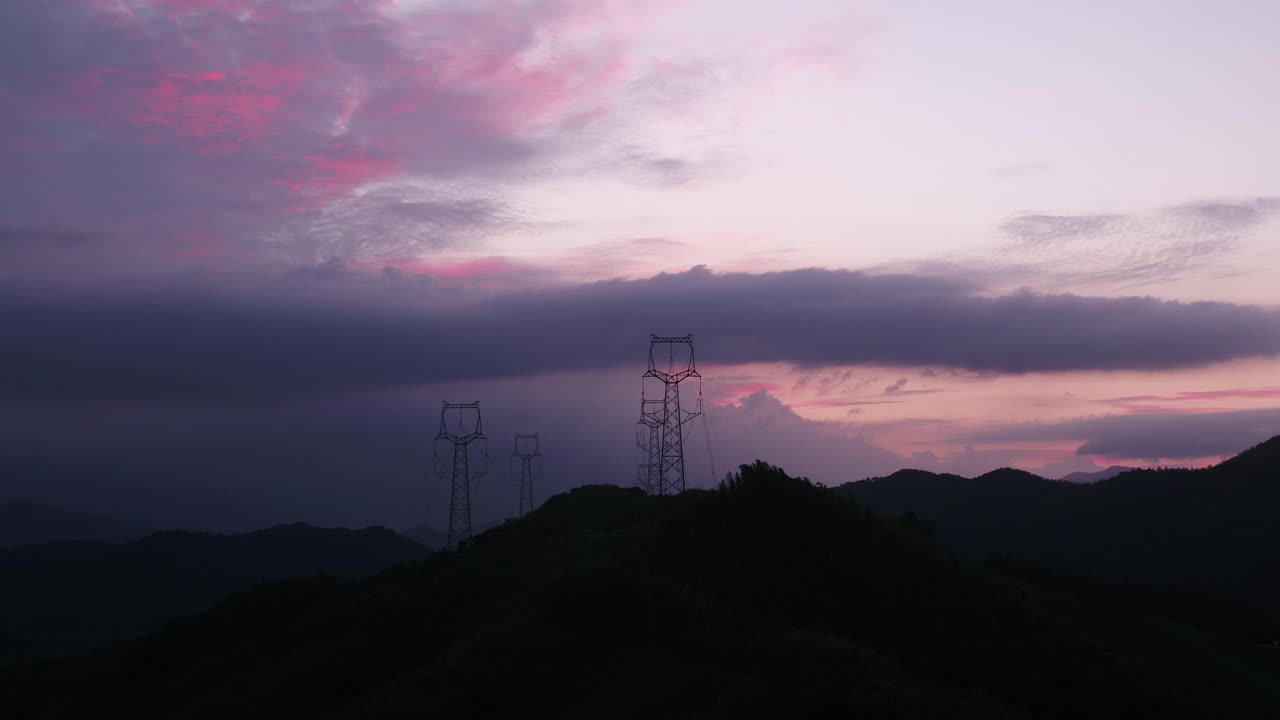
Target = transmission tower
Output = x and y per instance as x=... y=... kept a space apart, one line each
x=665 y=418
x=529 y=452
x=649 y=439
x=456 y=442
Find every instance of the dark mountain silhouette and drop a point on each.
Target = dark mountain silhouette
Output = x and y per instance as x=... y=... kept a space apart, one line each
x=436 y=539
x=67 y=597
x=1214 y=530
x=769 y=597
x=1088 y=477
x=28 y=523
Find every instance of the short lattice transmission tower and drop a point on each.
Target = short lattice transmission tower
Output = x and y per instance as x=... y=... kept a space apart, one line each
x=649 y=440
x=528 y=451
x=461 y=454
x=662 y=416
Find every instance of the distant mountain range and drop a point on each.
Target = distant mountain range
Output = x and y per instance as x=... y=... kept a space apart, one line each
x=1215 y=529
x=63 y=598
x=1088 y=477
x=28 y=523
x=766 y=598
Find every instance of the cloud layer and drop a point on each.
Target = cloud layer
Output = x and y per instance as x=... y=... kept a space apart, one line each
x=259 y=335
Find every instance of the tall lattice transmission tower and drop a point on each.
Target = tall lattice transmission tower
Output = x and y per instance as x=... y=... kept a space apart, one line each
x=463 y=465
x=528 y=450
x=663 y=469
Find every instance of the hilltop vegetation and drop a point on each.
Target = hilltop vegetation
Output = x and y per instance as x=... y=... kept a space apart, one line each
x=1214 y=530
x=436 y=539
x=769 y=597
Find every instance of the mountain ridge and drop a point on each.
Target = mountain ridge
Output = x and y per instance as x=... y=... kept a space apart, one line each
x=766 y=597
x=137 y=586
x=1210 y=529
x=24 y=522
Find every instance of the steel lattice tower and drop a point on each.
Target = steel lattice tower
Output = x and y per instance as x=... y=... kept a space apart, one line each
x=529 y=451
x=665 y=418
x=461 y=472
x=649 y=439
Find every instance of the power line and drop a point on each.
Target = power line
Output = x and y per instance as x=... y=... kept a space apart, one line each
x=711 y=458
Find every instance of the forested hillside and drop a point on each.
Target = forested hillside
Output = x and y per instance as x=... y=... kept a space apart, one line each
x=767 y=598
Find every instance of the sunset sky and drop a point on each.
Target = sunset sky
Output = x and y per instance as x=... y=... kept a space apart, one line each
x=247 y=247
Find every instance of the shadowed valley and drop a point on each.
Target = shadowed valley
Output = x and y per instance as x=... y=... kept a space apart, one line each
x=68 y=597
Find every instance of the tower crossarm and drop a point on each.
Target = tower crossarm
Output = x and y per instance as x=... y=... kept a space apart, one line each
x=526 y=453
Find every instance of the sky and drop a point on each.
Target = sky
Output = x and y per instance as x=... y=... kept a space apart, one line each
x=248 y=247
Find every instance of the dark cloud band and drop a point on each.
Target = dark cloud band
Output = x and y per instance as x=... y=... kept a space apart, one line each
x=234 y=337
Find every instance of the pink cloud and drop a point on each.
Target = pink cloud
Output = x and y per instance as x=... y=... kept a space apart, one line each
x=1149 y=409
x=1172 y=404
x=732 y=393
x=221 y=111
x=310 y=99
x=1265 y=393
x=337 y=169
x=827 y=404
x=1141 y=462
x=554 y=67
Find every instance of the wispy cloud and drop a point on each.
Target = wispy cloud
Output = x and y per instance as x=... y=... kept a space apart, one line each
x=1020 y=170
x=1127 y=250
x=1192 y=402
x=1257 y=393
